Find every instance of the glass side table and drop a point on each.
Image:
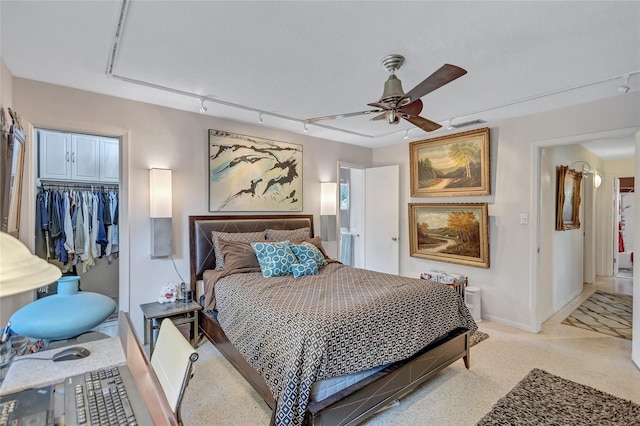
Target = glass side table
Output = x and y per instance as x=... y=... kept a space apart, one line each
x=179 y=312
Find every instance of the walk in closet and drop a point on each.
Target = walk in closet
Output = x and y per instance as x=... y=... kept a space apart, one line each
x=77 y=210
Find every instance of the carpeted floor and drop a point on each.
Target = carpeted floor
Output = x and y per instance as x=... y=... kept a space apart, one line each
x=542 y=398
x=607 y=313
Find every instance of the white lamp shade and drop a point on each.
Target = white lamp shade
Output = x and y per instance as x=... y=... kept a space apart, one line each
x=160 y=193
x=597 y=180
x=20 y=270
x=328 y=197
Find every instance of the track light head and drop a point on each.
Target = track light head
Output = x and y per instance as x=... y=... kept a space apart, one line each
x=203 y=108
x=304 y=126
x=625 y=87
x=260 y=120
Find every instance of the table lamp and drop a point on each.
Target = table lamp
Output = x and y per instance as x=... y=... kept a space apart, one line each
x=60 y=316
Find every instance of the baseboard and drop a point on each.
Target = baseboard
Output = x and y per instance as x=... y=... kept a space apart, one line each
x=514 y=324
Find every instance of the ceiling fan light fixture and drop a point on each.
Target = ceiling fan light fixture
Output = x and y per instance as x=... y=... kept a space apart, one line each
x=392 y=117
x=392 y=90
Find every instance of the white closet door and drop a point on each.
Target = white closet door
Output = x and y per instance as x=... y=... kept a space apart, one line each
x=109 y=160
x=84 y=158
x=54 y=155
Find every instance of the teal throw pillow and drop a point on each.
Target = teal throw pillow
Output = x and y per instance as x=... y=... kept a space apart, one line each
x=305 y=251
x=304 y=268
x=275 y=259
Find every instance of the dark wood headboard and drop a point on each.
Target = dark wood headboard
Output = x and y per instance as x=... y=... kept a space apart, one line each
x=201 y=255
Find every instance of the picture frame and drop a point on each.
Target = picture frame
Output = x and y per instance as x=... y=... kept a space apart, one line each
x=248 y=173
x=454 y=233
x=13 y=152
x=451 y=165
x=568 y=183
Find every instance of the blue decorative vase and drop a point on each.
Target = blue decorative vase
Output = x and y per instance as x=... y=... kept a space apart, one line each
x=64 y=315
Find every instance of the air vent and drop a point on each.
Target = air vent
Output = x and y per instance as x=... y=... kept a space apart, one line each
x=467 y=123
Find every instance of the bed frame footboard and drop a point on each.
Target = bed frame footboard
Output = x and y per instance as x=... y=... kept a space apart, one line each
x=365 y=398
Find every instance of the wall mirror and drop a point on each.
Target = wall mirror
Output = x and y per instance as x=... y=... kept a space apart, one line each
x=13 y=146
x=568 y=198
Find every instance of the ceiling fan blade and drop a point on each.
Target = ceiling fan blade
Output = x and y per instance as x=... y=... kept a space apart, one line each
x=446 y=74
x=382 y=116
x=349 y=114
x=413 y=109
x=423 y=123
x=382 y=105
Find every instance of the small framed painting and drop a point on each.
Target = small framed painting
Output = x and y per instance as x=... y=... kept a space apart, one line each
x=248 y=173
x=452 y=165
x=455 y=233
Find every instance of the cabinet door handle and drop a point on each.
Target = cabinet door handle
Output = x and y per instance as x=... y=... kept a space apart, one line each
x=66 y=157
x=73 y=157
x=394 y=239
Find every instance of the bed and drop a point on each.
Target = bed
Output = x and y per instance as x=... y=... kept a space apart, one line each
x=287 y=389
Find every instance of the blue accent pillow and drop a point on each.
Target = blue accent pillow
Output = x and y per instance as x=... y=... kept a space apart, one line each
x=275 y=259
x=304 y=268
x=305 y=251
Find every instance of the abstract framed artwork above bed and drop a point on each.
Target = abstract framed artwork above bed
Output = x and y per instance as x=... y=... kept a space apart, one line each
x=248 y=173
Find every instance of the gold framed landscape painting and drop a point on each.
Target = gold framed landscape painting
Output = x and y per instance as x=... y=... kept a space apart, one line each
x=452 y=165
x=455 y=233
x=248 y=173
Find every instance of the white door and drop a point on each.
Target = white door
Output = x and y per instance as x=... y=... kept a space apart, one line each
x=589 y=261
x=382 y=219
x=616 y=224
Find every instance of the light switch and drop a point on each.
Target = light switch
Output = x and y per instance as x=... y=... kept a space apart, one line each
x=524 y=219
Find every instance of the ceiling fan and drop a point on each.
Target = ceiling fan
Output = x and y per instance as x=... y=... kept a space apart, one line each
x=394 y=104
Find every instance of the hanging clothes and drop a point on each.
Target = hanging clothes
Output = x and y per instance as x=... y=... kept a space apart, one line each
x=77 y=226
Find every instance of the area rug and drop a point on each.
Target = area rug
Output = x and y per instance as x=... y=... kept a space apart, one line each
x=606 y=313
x=477 y=337
x=542 y=398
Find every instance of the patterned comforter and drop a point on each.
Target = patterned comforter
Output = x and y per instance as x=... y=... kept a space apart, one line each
x=295 y=331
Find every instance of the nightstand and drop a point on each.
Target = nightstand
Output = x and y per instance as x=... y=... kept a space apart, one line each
x=179 y=312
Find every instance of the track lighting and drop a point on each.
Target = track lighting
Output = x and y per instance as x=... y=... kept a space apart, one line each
x=625 y=87
x=203 y=108
x=304 y=127
x=260 y=118
x=406 y=134
x=449 y=126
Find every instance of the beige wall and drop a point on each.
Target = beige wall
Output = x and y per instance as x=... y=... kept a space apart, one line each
x=162 y=137
x=154 y=136
x=510 y=287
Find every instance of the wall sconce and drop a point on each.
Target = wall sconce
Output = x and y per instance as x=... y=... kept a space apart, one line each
x=160 y=212
x=328 y=210
x=597 y=179
x=587 y=170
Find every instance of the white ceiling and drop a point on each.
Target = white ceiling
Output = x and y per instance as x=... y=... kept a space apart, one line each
x=299 y=60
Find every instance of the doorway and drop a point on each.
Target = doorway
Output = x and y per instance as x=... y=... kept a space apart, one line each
x=369 y=219
x=351 y=215
x=77 y=211
x=625 y=211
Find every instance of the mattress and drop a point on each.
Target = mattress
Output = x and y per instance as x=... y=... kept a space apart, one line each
x=327 y=387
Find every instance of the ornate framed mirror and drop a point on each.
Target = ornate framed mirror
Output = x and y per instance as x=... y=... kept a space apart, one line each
x=13 y=146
